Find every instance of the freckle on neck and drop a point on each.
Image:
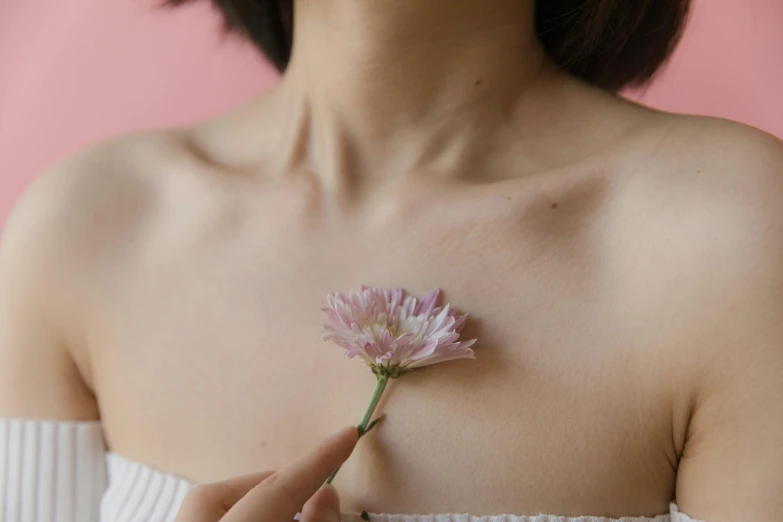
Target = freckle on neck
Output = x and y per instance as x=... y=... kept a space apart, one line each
x=554 y=206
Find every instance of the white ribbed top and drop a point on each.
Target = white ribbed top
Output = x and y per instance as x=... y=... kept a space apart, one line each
x=60 y=472
x=51 y=471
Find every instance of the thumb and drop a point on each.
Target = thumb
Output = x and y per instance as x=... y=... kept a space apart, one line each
x=324 y=506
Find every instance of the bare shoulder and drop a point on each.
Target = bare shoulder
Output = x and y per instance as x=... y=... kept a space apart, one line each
x=736 y=173
x=725 y=148
x=61 y=241
x=720 y=149
x=714 y=184
x=75 y=220
x=107 y=169
x=87 y=201
x=702 y=198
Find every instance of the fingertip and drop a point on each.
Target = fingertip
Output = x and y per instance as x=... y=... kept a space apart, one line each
x=354 y=433
x=324 y=506
x=347 y=436
x=328 y=499
x=350 y=432
x=353 y=436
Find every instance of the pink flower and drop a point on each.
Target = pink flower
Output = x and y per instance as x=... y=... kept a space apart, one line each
x=394 y=332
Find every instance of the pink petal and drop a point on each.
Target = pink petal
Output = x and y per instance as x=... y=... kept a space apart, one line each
x=396 y=298
x=427 y=303
x=333 y=317
x=459 y=324
x=443 y=358
x=381 y=360
x=404 y=343
x=440 y=319
x=427 y=349
x=468 y=344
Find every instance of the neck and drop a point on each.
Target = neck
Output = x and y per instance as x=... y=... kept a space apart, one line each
x=379 y=69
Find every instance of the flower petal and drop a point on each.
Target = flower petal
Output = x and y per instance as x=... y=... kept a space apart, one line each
x=427 y=303
x=393 y=330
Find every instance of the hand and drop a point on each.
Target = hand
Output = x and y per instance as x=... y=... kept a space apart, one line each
x=278 y=496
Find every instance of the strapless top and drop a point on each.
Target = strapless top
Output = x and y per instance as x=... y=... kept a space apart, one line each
x=60 y=472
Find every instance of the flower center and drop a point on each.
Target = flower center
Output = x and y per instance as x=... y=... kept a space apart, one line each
x=393 y=331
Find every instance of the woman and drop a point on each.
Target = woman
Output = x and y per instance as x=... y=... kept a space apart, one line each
x=622 y=268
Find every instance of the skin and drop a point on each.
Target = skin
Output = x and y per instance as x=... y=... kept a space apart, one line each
x=623 y=269
x=279 y=495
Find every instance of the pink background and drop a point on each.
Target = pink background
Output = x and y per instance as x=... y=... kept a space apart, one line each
x=76 y=71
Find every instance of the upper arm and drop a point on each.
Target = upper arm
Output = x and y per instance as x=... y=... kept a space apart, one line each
x=732 y=465
x=39 y=311
x=68 y=239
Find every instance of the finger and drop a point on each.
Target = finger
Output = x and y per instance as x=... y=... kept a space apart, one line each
x=282 y=495
x=324 y=506
x=210 y=502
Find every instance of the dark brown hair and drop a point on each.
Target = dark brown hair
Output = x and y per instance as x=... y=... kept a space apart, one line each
x=608 y=43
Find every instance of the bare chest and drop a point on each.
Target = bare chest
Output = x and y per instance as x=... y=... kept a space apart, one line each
x=211 y=365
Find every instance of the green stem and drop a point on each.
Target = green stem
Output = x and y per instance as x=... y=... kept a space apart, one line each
x=365 y=422
x=376 y=397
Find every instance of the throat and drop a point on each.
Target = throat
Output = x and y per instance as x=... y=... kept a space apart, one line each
x=386 y=66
